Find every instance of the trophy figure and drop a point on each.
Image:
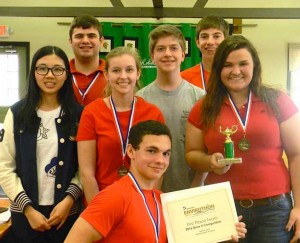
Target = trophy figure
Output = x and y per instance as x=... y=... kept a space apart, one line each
x=229 y=147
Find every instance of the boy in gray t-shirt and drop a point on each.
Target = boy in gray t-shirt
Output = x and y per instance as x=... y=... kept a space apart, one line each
x=175 y=97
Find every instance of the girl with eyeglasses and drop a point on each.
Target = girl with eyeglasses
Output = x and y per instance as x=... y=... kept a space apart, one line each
x=38 y=153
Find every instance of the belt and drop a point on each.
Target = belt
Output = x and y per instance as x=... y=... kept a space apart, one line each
x=248 y=203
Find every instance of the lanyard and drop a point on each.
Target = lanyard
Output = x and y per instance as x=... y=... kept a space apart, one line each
x=202 y=76
x=83 y=94
x=156 y=225
x=124 y=141
x=242 y=121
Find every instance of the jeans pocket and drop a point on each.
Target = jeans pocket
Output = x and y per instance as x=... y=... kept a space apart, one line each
x=283 y=203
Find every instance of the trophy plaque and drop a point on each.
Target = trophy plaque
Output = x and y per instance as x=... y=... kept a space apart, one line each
x=229 y=147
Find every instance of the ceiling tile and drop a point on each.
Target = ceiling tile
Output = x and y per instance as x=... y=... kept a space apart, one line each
x=56 y=3
x=137 y=3
x=253 y=4
x=179 y=4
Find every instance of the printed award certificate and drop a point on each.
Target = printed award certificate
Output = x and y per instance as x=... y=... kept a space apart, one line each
x=202 y=214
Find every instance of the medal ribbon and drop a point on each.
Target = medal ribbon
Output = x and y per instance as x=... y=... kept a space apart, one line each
x=202 y=76
x=156 y=225
x=242 y=121
x=83 y=94
x=124 y=141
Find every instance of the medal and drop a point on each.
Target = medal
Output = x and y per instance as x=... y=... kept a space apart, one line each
x=84 y=93
x=155 y=223
x=244 y=145
x=202 y=76
x=122 y=171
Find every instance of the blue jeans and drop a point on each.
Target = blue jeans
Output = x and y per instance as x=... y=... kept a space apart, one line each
x=266 y=224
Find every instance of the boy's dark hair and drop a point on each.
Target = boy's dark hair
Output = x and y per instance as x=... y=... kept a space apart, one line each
x=214 y=22
x=150 y=127
x=85 y=21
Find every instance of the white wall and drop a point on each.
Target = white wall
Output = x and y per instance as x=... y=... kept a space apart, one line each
x=270 y=37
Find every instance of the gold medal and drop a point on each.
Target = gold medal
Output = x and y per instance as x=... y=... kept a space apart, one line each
x=122 y=171
x=244 y=145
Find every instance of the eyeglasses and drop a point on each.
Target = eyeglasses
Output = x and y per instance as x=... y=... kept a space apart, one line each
x=56 y=71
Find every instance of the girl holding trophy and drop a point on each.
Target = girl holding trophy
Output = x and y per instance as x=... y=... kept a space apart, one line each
x=267 y=123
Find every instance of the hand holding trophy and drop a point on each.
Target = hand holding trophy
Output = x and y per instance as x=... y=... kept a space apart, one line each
x=229 y=147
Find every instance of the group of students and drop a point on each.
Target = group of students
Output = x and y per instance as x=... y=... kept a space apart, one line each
x=123 y=150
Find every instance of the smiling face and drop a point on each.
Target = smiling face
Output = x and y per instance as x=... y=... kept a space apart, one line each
x=50 y=84
x=237 y=71
x=208 y=41
x=151 y=159
x=86 y=43
x=167 y=54
x=122 y=74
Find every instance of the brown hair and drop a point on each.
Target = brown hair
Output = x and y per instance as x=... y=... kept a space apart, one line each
x=214 y=22
x=85 y=22
x=217 y=92
x=165 y=30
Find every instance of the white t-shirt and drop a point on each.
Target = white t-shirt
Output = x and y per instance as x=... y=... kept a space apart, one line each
x=46 y=154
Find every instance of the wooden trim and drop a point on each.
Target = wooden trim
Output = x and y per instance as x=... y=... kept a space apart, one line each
x=147 y=12
x=117 y=3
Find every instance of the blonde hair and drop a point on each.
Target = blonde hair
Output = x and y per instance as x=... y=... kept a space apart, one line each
x=120 y=51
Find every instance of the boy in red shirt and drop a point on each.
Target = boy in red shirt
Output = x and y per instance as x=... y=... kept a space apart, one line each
x=211 y=31
x=86 y=39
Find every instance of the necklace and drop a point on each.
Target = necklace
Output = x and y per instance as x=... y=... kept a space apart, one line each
x=156 y=224
x=124 y=141
x=81 y=92
x=202 y=76
x=244 y=144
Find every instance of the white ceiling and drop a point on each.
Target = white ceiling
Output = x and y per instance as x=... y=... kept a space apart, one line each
x=153 y=8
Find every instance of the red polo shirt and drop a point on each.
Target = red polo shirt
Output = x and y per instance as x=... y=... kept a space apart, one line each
x=262 y=172
x=87 y=88
x=193 y=76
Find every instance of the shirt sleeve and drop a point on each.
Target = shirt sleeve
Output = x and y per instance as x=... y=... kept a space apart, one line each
x=9 y=180
x=86 y=128
x=160 y=116
x=75 y=188
x=105 y=211
x=194 y=116
x=287 y=107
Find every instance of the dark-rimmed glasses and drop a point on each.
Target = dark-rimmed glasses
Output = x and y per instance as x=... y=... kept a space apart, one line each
x=56 y=71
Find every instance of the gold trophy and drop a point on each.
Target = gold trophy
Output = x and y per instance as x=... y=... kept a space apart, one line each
x=229 y=147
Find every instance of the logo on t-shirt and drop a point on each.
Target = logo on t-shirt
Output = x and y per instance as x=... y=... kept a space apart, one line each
x=50 y=169
x=42 y=132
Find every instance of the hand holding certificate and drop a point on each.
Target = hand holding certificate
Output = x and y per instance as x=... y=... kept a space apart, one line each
x=201 y=214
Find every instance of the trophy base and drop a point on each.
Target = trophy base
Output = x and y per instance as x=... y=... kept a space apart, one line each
x=230 y=161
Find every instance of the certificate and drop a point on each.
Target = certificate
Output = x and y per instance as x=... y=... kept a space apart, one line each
x=202 y=214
